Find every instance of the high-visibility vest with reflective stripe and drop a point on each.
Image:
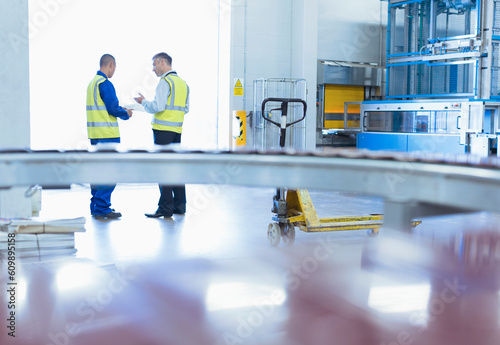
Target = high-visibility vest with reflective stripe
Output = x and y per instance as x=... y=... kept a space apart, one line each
x=172 y=117
x=100 y=124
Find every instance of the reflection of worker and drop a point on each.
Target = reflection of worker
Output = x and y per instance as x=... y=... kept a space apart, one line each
x=170 y=104
x=102 y=126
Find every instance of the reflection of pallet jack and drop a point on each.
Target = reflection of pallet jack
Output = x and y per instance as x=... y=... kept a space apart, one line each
x=295 y=208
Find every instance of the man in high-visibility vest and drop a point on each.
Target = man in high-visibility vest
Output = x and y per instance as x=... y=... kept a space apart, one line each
x=102 y=126
x=169 y=106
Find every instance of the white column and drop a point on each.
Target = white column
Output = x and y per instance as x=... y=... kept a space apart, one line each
x=238 y=32
x=224 y=122
x=14 y=95
x=304 y=58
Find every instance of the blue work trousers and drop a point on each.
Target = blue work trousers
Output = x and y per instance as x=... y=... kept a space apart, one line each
x=100 y=203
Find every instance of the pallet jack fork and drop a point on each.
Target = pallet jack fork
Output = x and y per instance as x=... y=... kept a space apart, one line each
x=298 y=211
x=295 y=207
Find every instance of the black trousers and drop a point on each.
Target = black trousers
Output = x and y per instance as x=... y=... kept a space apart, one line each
x=172 y=198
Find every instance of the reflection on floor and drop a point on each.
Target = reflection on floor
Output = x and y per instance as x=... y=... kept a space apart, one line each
x=210 y=277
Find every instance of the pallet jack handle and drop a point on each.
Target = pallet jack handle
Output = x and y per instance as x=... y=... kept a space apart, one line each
x=284 y=112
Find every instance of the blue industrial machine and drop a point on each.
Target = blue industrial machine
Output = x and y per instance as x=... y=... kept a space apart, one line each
x=442 y=91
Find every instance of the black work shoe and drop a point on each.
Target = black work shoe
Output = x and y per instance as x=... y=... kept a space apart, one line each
x=157 y=215
x=112 y=210
x=110 y=215
x=176 y=211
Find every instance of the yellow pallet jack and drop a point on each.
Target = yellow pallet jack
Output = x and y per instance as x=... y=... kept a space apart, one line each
x=294 y=208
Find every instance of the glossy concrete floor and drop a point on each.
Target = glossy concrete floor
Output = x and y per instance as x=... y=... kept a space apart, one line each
x=210 y=277
x=222 y=222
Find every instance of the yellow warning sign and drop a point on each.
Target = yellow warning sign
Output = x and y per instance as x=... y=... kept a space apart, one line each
x=238 y=87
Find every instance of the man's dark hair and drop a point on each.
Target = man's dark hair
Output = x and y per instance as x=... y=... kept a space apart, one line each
x=106 y=59
x=165 y=57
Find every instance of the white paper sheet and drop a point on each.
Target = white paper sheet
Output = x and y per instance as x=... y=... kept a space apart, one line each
x=134 y=107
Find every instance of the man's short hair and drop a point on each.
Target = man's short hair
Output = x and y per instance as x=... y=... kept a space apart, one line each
x=106 y=59
x=165 y=57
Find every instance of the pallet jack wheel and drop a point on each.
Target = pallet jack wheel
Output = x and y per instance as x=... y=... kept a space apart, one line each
x=288 y=233
x=273 y=234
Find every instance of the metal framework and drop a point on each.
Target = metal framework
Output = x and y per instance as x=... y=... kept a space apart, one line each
x=434 y=48
x=411 y=185
x=442 y=79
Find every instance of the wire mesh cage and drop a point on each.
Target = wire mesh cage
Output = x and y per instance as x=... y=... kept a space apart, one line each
x=414 y=28
x=495 y=70
x=266 y=135
x=496 y=18
x=409 y=27
x=453 y=20
x=413 y=24
x=495 y=54
x=412 y=121
x=428 y=80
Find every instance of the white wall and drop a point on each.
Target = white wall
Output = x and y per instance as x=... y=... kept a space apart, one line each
x=14 y=74
x=261 y=43
x=225 y=56
x=268 y=39
x=14 y=96
x=273 y=40
x=304 y=57
x=285 y=38
x=352 y=30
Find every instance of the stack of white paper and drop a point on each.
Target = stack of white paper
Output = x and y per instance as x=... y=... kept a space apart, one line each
x=37 y=245
x=38 y=225
x=37 y=237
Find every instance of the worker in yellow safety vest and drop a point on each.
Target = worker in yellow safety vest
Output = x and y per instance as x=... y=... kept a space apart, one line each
x=103 y=109
x=169 y=106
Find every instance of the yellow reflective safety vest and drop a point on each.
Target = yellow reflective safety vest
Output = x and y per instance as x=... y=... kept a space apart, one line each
x=172 y=118
x=100 y=125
